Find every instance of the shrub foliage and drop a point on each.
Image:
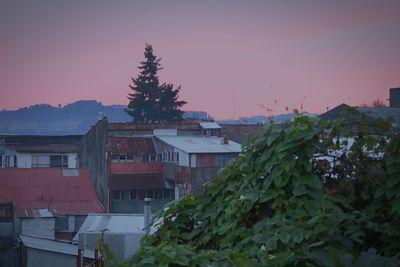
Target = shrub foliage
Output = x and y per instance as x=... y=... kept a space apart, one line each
x=310 y=193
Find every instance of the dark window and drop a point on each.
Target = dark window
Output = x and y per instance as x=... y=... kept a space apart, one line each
x=114 y=157
x=145 y=158
x=1 y=161
x=6 y=214
x=55 y=161
x=58 y=161
x=122 y=157
x=129 y=157
x=140 y=194
x=158 y=193
x=153 y=158
x=117 y=195
x=168 y=193
x=65 y=161
x=15 y=161
x=132 y=194
x=159 y=157
x=150 y=193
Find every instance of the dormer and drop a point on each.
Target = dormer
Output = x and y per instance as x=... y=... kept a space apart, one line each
x=211 y=129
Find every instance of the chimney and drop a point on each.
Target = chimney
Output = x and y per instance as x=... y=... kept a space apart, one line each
x=394 y=100
x=147 y=214
x=224 y=140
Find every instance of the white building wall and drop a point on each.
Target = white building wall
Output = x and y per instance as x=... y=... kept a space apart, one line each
x=192 y=160
x=24 y=160
x=72 y=160
x=183 y=157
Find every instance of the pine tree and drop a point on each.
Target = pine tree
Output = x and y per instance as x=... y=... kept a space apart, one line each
x=151 y=102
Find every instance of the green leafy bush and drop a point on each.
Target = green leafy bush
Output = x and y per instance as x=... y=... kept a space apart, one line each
x=310 y=193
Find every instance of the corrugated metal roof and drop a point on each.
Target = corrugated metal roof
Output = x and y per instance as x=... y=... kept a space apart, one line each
x=136 y=167
x=136 y=181
x=209 y=125
x=41 y=144
x=54 y=246
x=384 y=112
x=136 y=146
x=346 y=111
x=48 y=188
x=112 y=223
x=195 y=144
x=149 y=126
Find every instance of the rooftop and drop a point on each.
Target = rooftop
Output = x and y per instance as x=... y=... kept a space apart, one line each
x=54 y=246
x=136 y=146
x=41 y=143
x=198 y=144
x=60 y=191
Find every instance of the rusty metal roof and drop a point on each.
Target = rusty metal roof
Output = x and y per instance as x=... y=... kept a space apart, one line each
x=238 y=133
x=48 y=188
x=150 y=126
x=136 y=146
x=41 y=143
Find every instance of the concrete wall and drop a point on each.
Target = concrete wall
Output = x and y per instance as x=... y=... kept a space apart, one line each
x=10 y=258
x=92 y=155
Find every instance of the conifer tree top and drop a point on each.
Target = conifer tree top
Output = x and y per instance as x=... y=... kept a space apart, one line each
x=150 y=101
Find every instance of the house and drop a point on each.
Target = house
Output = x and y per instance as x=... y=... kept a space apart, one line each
x=129 y=162
x=25 y=151
x=48 y=203
x=349 y=113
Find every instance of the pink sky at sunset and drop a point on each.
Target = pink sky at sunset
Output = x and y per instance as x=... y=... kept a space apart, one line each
x=230 y=57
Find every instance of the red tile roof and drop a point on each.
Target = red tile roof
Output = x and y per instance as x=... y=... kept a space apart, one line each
x=49 y=188
x=136 y=146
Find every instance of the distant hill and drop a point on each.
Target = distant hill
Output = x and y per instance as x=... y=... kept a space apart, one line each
x=78 y=117
x=75 y=118
x=278 y=119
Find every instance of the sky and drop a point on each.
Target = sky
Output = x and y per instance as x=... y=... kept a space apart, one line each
x=232 y=58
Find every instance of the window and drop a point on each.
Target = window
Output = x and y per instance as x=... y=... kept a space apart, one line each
x=1 y=161
x=6 y=214
x=168 y=193
x=140 y=194
x=150 y=193
x=46 y=161
x=118 y=194
x=158 y=193
x=129 y=157
x=132 y=194
x=58 y=161
x=175 y=157
x=152 y=158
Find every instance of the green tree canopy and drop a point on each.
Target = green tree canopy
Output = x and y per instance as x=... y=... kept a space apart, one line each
x=150 y=101
x=310 y=193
